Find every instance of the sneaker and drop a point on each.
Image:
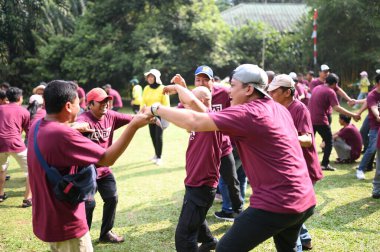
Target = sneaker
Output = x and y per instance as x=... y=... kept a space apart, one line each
x=360 y=174
x=328 y=168
x=7 y=177
x=153 y=159
x=3 y=197
x=207 y=246
x=307 y=245
x=26 y=203
x=158 y=161
x=222 y=215
x=376 y=195
x=111 y=237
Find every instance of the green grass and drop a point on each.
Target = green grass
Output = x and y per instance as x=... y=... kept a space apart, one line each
x=150 y=198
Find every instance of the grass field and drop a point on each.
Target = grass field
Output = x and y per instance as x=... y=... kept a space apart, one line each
x=150 y=197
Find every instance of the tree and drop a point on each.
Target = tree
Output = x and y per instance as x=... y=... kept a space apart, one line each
x=348 y=36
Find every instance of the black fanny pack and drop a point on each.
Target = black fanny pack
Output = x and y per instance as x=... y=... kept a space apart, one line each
x=72 y=188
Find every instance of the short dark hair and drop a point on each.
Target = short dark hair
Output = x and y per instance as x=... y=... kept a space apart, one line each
x=377 y=78
x=3 y=94
x=345 y=118
x=332 y=79
x=57 y=93
x=14 y=94
x=5 y=86
x=292 y=90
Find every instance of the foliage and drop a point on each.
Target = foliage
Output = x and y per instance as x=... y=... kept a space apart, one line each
x=134 y=36
x=348 y=35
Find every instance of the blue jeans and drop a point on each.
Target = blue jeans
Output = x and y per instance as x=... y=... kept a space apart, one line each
x=371 y=150
x=223 y=188
x=364 y=131
x=360 y=96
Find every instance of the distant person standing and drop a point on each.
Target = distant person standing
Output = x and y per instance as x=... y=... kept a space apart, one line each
x=363 y=85
x=321 y=104
x=373 y=101
x=153 y=93
x=81 y=96
x=116 y=102
x=136 y=95
x=39 y=90
x=104 y=122
x=14 y=120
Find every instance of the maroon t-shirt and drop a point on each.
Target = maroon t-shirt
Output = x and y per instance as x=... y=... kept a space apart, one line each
x=65 y=149
x=321 y=102
x=41 y=113
x=351 y=135
x=373 y=99
x=82 y=94
x=104 y=129
x=221 y=100
x=302 y=121
x=117 y=102
x=315 y=83
x=13 y=120
x=272 y=158
x=203 y=159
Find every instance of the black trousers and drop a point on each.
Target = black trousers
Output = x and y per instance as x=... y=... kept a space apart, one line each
x=229 y=175
x=108 y=192
x=254 y=226
x=156 y=135
x=325 y=132
x=192 y=225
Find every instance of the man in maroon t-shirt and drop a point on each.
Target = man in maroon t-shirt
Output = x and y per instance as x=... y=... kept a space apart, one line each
x=59 y=223
x=282 y=90
x=347 y=141
x=272 y=158
x=321 y=103
x=220 y=100
x=203 y=157
x=116 y=103
x=104 y=122
x=14 y=120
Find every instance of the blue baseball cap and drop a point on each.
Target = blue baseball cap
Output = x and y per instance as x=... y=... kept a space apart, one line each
x=205 y=70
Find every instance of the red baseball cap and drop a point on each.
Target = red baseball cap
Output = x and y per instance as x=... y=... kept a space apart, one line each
x=98 y=95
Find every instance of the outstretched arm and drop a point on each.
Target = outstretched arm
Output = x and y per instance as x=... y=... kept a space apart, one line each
x=184 y=118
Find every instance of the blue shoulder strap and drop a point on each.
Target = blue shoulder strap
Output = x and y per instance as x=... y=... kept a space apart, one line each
x=52 y=174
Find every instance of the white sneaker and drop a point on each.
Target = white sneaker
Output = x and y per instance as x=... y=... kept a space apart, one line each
x=153 y=159
x=158 y=161
x=360 y=174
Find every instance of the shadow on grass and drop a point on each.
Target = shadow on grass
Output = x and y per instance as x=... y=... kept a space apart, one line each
x=339 y=217
x=15 y=183
x=148 y=172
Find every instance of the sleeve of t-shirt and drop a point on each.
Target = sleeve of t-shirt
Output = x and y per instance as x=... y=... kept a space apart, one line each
x=343 y=133
x=371 y=101
x=26 y=123
x=333 y=99
x=80 y=149
x=303 y=121
x=121 y=119
x=232 y=121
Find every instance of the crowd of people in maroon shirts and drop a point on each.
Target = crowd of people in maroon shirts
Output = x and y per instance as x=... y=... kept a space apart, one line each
x=261 y=127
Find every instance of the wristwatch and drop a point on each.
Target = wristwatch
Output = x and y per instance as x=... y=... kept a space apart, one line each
x=154 y=108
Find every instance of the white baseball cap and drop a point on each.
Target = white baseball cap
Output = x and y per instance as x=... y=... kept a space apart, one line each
x=281 y=80
x=325 y=67
x=363 y=73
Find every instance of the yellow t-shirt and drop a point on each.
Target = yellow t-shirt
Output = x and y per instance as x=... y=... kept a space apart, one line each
x=151 y=96
x=364 y=84
x=136 y=95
